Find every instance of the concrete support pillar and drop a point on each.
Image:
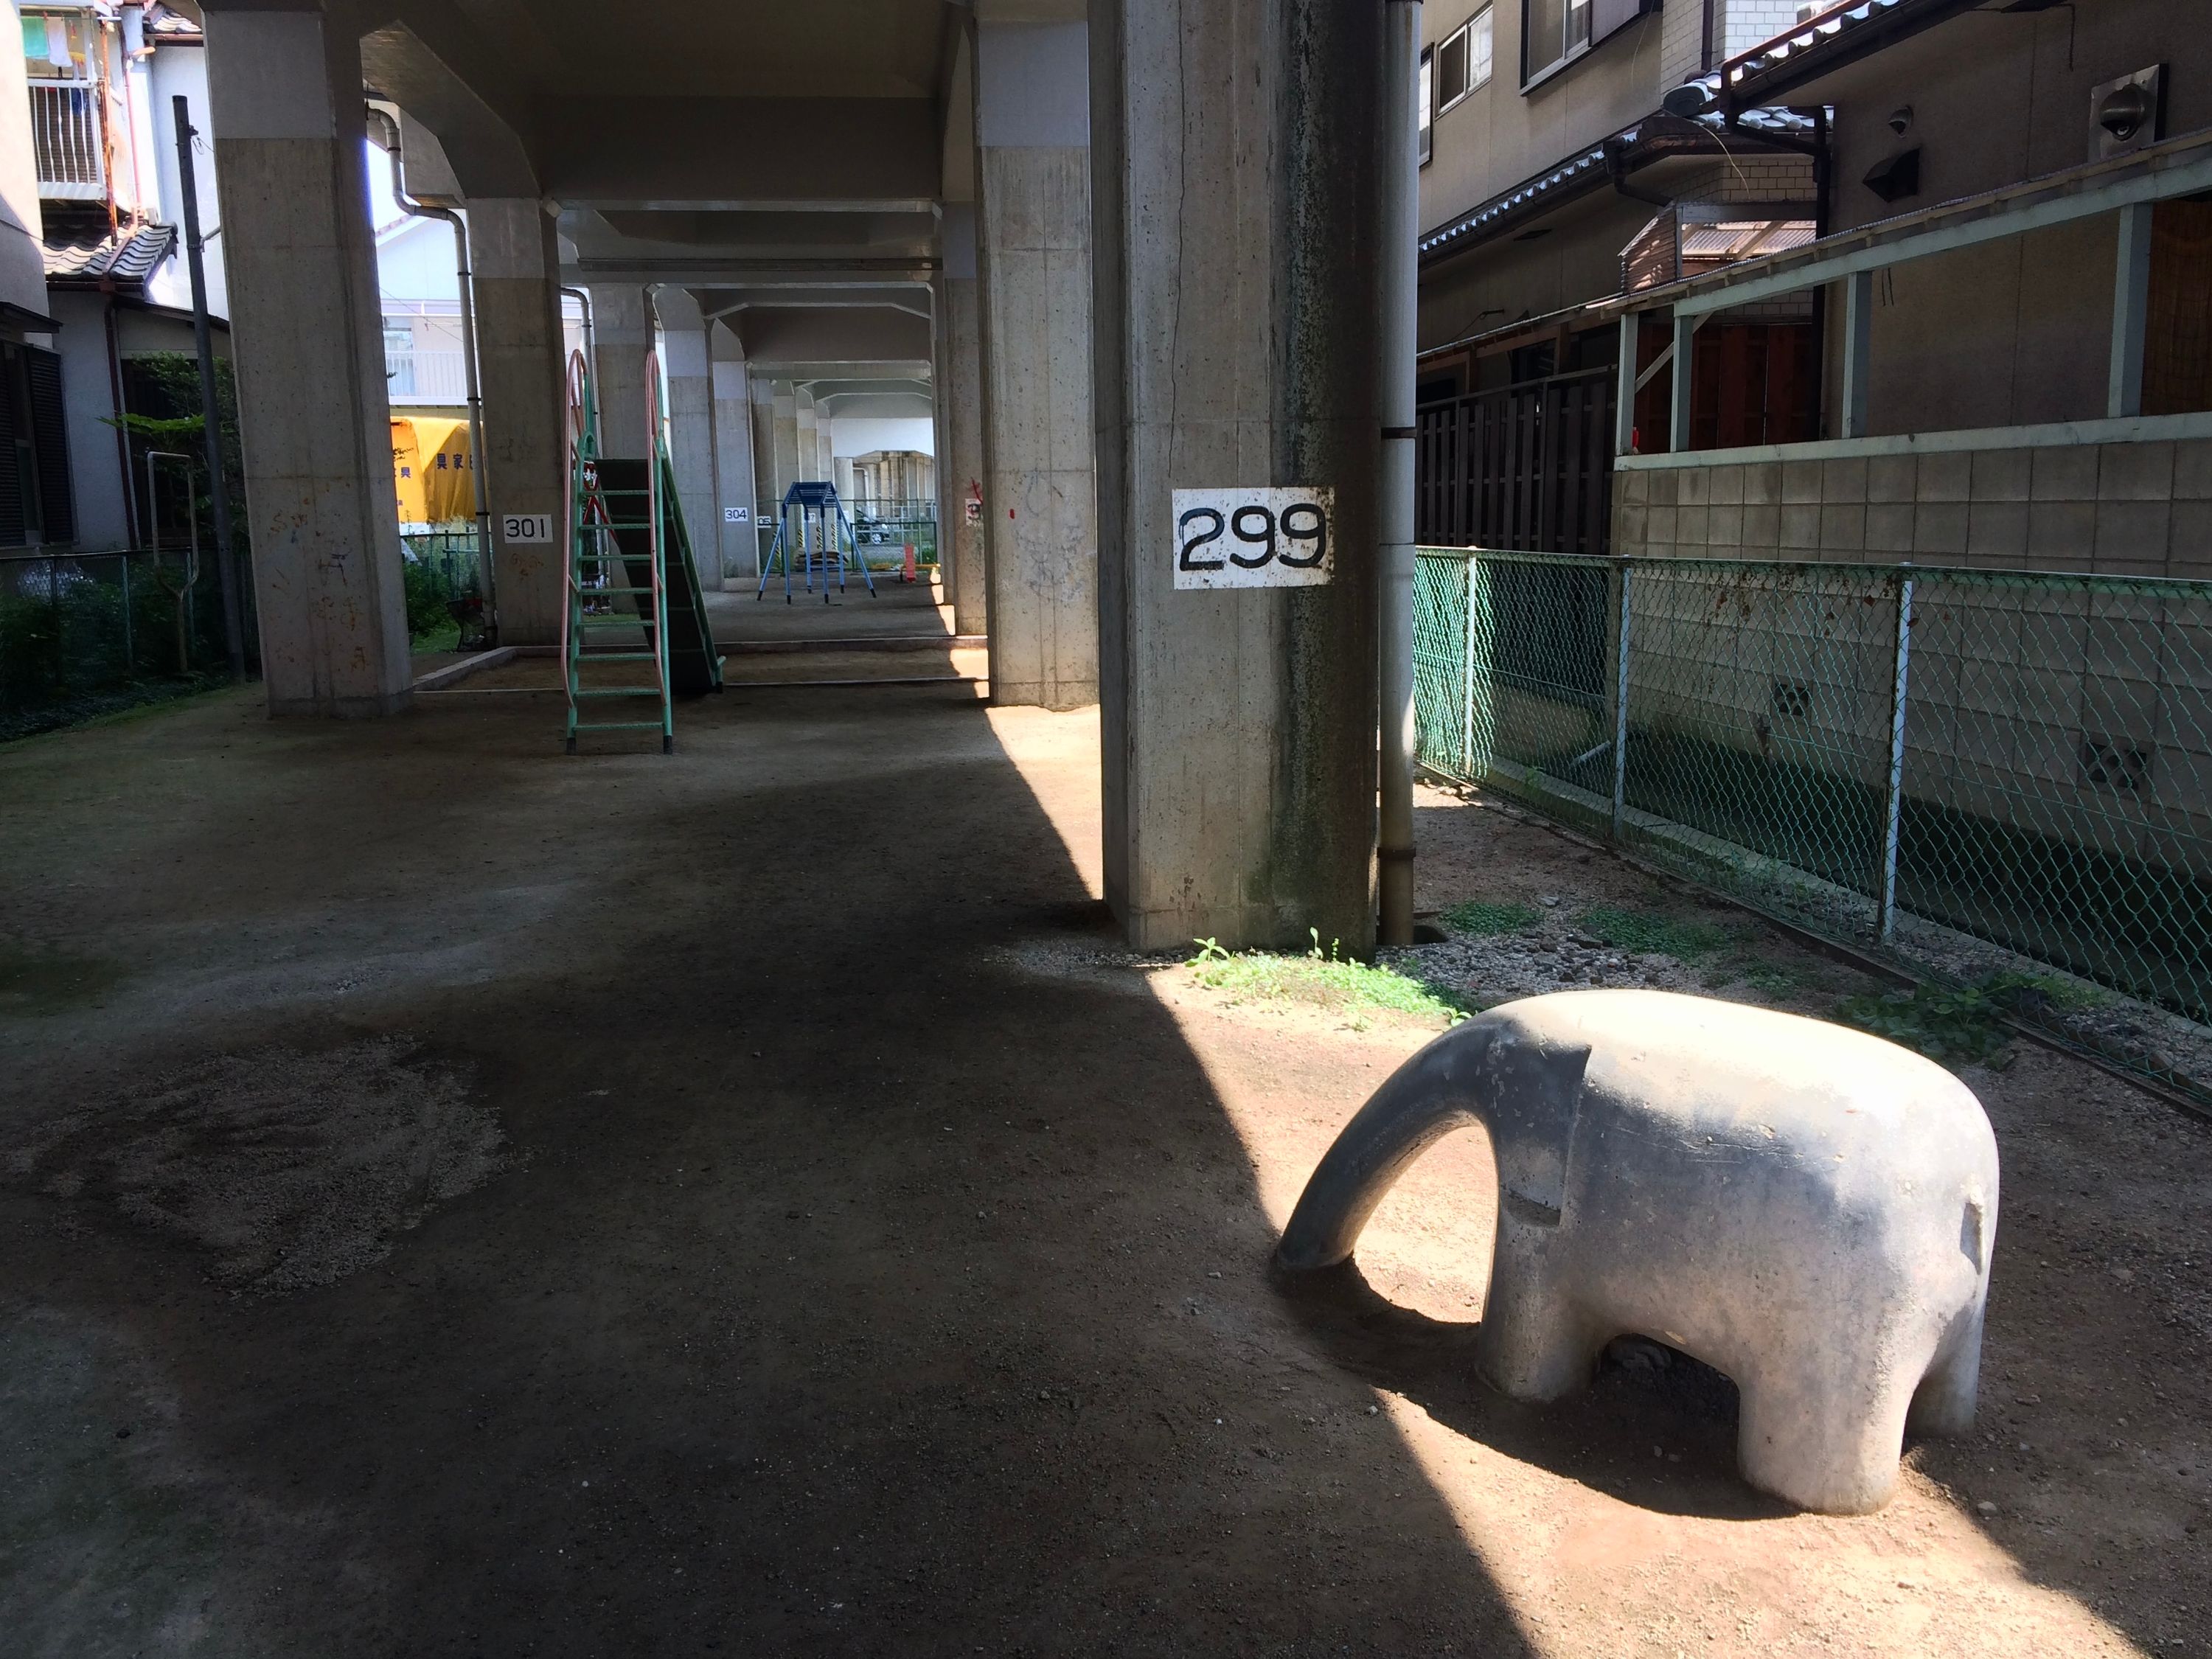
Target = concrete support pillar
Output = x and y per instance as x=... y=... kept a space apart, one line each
x=1033 y=213
x=1237 y=341
x=623 y=330
x=788 y=469
x=959 y=386
x=738 y=547
x=810 y=439
x=309 y=349
x=688 y=370
x=517 y=263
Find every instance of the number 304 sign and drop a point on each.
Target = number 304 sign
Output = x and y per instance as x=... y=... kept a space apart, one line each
x=1255 y=537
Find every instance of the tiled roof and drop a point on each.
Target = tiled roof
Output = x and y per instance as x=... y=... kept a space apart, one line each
x=1646 y=141
x=1828 y=41
x=124 y=259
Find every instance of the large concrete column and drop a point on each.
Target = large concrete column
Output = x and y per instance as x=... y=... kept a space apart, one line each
x=809 y=436
x=1033 y=210
x=517 y=263
x=308 y=349
x=689 y=371
x=788 y=469
x=959 y=388
x=1236 y=348
x=623 y=329
x=738 y=547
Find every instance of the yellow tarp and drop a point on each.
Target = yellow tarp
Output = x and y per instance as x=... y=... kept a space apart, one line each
x=430 y=469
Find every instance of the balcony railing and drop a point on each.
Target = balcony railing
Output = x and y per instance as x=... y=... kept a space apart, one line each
x=426 y=377
x=66 y=136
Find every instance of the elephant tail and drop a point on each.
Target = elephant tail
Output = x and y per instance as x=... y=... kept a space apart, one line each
x=1422 y=1101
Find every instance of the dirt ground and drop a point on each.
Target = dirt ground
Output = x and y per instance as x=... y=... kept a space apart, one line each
x=457 y=1199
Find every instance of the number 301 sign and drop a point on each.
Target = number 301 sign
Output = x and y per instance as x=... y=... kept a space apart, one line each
x=1254 y=538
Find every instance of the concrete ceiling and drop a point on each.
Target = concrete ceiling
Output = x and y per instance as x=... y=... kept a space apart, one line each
x=784 y=160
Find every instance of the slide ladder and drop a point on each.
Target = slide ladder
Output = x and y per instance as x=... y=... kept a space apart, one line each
x=630 y=570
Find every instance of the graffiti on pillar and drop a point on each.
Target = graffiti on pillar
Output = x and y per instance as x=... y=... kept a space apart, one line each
x=974 y=505
x=1255 y=537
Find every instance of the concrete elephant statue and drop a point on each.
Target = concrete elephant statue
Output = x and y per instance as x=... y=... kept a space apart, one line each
x=1806 y=1208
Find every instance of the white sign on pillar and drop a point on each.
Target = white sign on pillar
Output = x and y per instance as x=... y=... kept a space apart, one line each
x=521 y=527
x=1255 y=537
x=736 y=515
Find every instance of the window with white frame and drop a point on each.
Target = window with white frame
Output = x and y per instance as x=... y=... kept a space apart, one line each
x=1463 y=60
x=1553 y=30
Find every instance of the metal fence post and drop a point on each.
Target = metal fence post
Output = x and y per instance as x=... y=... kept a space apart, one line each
x=1620 y=709
x=1467 y=683
x=130 y=648
x=1893 y=803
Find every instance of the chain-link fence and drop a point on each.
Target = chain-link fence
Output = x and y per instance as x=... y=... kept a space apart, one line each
x=1984 y=773
x=85 y=634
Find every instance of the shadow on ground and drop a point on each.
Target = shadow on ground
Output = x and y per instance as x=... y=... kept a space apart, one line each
x=846 y=1288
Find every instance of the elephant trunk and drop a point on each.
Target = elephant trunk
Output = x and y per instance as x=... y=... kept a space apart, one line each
x=1422 y=1101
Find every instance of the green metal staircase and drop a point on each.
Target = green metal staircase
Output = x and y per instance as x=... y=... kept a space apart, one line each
x=631 y=572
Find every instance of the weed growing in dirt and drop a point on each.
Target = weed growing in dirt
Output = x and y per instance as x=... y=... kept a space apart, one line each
x=1963 y=1027
x=1481 y=919
x=1650 y=933
x=1964 y=1024
x=1328 y=980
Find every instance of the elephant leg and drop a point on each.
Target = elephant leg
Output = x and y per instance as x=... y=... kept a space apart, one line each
x=1943 y=1404
x=1825 y=1431
x=1536 y=1343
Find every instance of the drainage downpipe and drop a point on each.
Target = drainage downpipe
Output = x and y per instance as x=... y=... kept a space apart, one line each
x=479 y=480
x=1400 y=229
x=583 y=297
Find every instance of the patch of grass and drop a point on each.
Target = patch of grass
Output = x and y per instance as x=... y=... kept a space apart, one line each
x=1963 y=1026
x=1650 y=933
x=1481 y=918
x=1328 y=981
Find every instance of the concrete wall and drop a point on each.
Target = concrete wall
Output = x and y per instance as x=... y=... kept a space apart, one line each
x=88 y=398
x=2132 y=509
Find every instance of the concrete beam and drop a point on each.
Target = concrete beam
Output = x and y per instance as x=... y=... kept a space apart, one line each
x=820 y=334
x=487 y=157
x=625 y=151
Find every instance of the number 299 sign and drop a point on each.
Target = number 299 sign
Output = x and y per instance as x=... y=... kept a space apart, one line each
x=1255 y=537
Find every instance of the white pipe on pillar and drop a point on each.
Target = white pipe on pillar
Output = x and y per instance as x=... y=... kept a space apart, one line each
x=1400 y=228
x=465 y=286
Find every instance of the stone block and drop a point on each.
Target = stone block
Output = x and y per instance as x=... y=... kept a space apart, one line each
x=2132 y=537
x=1762 y=483
x=1801 y=528
x=2189 y=540
x=1890 y=477
x=1843 y=478
x=2000 y=475
x=2061 y=534
x=2192 y=470
x=1696 y=486
x=1727 y=486
x=1939 y=528
x=1997 y=530
x=1762 y=529
x=1946 y=476
x=1724 y=534
x=1889 y=527
x=1800 y=482
x=2063 y=473
x=2135 y=472
x=1692 y=525
x=1843 y=528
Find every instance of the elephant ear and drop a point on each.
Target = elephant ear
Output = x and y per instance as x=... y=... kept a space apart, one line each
x=1534 y=1090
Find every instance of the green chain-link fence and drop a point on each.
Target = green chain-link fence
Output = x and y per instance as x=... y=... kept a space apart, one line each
x=1928 y=762
x=87 y=633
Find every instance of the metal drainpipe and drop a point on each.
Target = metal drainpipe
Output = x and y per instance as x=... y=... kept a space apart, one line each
x=1400 y=228
x=478 y=473
x=583 y=296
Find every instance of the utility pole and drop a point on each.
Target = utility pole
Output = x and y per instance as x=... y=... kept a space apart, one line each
x=234 y=634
